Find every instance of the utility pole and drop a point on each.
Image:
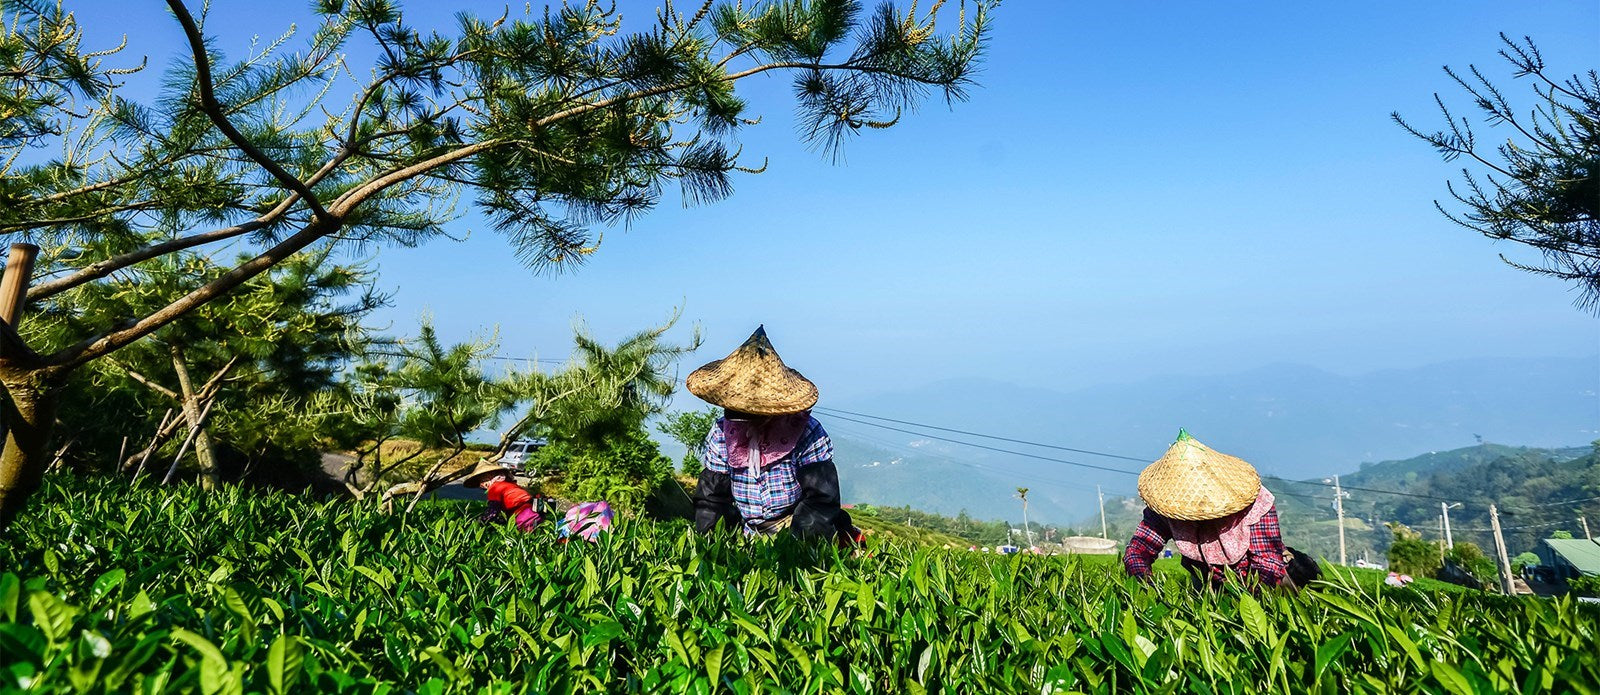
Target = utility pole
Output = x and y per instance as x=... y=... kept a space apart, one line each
x=1585 y=523
x=1506 y=584
x=1023 y=493
x=1338 y=505
x=1441 y=534
x=1103 y=513
x=1444 y=513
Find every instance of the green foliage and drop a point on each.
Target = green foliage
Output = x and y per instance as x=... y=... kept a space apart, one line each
x=1540 y=185
x=1524 y=561
x=416 y=389
x=1584 y=586
x=623 y=469
x=1561 y=535
x=270 y=350
x=1409 y=554
x=690 y=428
x=1522 y=481
x=1470 y=557
x=603 y=391
x=48 y=77
x=112 y=589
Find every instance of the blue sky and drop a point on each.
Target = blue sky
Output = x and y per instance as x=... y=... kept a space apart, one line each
x=1135 y=190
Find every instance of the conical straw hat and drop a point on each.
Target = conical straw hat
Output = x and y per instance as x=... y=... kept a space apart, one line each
x=483 y=470
x=753 y=379
x=1193 y=483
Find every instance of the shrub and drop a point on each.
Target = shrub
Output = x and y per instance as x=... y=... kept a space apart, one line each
x=1470 y=558
x=623 y=470
x=1409 y=554
x=1524 y=561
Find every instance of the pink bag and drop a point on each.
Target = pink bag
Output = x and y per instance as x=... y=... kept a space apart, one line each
x=527 y=518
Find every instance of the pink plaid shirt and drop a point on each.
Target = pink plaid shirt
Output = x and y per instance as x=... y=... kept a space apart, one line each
x=1264 y=560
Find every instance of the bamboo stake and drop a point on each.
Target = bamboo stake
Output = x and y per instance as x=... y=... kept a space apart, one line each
x=151 y=449
x=184 y=448
x=14 y=284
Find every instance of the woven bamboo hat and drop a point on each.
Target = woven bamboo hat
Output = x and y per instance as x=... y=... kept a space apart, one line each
x=485 y=470
x=1191 y=482
x=753 y=379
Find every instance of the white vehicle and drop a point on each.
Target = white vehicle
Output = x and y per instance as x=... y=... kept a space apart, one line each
x=517 y=454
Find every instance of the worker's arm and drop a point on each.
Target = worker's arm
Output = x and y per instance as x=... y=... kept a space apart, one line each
x=817 y=514
x=713 y=496
x=713 y=502
x=1148 y=540
x=1266 y=550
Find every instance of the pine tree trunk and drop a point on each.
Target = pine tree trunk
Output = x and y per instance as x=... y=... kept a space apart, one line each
x=29 y=409
x=203 y=449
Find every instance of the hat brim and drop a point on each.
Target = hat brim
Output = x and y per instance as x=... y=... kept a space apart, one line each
x=476 y=479
x=1192 y=482
x=783 y=393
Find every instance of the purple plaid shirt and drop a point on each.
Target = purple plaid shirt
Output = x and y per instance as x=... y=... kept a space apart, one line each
x=1264 y=560
x=773 y=493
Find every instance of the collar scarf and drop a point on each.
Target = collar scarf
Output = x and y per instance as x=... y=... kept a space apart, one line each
x=1224 y=541
x=756 y=445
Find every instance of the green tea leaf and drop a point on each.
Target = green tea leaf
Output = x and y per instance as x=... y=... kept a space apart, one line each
x=208 y=651
x=800 y=656
x=284 y=659
x=1254 y=618
x=714 y=664
x=51 y=616
x=141 y=605
x=10 y=596
x=1330 y=652
x=107 y=583
x=602 y=632
x=1451 y=678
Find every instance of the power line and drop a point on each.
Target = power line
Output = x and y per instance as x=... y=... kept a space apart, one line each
x=1557 y=504
x=1363 y=489
x=545 y=360
x=991 y=448
x=1064 y=448
x=986 y=436
x=1025 y=476
x=1514 y=528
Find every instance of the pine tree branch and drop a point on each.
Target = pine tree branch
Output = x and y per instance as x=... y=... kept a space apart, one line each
x=100 y=269
x=213 y=109
x=39 y=224
x=98 y=346
x=147 y=381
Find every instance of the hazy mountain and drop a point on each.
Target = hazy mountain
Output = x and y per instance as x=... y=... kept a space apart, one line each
x=1290 y=420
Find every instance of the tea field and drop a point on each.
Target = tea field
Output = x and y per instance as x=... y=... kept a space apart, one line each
x=109 y=588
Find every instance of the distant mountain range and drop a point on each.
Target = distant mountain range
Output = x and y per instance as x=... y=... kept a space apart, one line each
x=1289 y=420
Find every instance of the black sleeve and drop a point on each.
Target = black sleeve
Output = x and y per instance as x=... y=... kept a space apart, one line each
x=495 y=514
x=713 y=502
x=818 y=514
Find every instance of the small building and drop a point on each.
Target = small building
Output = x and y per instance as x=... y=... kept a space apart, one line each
x=1088 y=545
x=1563 y=559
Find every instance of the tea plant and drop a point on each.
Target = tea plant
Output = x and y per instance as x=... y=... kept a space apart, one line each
x=106 y=588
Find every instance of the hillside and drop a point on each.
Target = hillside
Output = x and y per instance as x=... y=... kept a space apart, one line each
x=1289 y=420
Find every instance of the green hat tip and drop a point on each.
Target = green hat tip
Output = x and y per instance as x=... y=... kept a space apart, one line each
x=1183 y=435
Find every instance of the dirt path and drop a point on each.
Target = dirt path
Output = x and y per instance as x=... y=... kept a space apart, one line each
x=335 y=463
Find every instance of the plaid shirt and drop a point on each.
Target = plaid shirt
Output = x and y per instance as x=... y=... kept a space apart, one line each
x=1264 y=559
x=773 y=493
